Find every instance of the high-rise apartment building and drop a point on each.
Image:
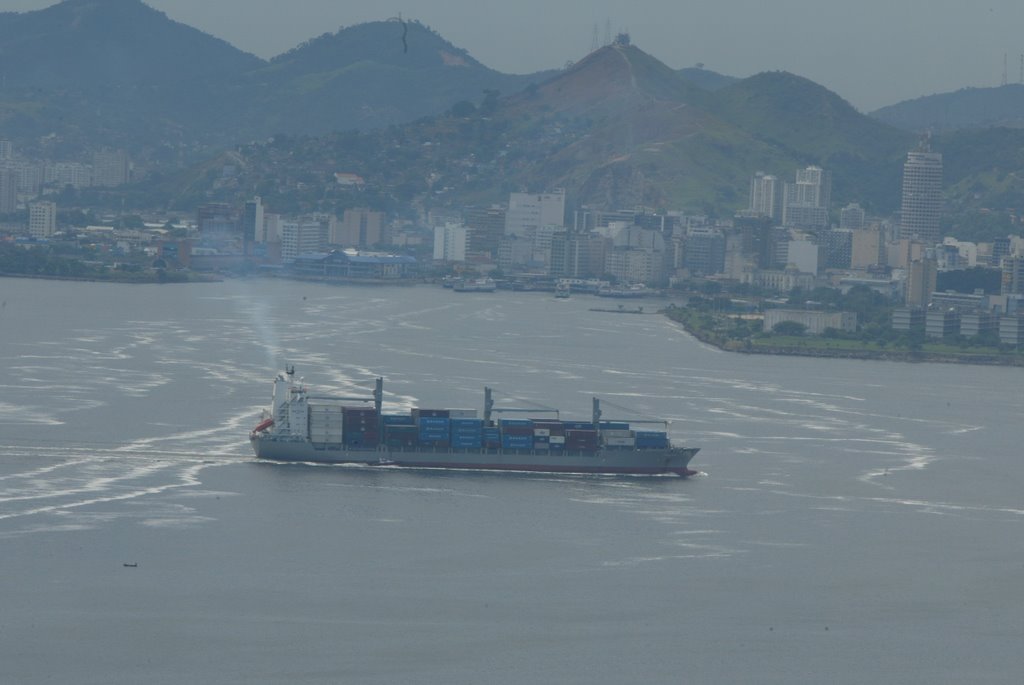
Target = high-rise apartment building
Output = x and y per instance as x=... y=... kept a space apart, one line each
x=359 y=228
x=252 y=221
x=1013 y=275
x=301 y=237
x=8 y=191
x=921 y=207
x=806 y=202
x=766 y=196
x=486 y=226
x=6 y=150
x=851 y=217
x=450 y=243
x=216 y=220
x=921 y=278
x=110 y=168
x=42 y=219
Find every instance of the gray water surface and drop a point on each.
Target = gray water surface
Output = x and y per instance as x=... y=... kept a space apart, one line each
x=854 y=522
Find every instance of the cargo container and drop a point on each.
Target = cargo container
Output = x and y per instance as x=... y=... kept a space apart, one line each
x=433 y=413
x=398 y=420
x=516 y=422
x=620 y=442
x=613 y=425
x=525 y=431
x=462 y=413
x=651 y=439
x=553 y=427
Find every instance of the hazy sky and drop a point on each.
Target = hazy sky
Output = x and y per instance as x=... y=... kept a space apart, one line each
x=872 y=52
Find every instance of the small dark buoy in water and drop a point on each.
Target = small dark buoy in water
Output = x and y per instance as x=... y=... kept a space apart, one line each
x=132 y=565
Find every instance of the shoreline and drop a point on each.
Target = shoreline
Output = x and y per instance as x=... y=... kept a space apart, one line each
x=906 y=356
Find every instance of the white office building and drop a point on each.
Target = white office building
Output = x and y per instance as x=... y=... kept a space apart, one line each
x=42 y=219
x=450 y=243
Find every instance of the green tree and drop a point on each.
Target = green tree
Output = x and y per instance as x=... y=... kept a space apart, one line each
x=789 y=328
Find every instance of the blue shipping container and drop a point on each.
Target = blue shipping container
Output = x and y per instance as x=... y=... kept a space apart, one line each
x=517 y=422
x=398 y=420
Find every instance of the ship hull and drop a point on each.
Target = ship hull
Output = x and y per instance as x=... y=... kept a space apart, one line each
x=606 y=461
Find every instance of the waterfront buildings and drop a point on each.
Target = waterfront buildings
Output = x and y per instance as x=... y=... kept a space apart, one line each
x=485 y=226
x=450 y=243
x=816 y=322
x=359 y=227
x=529 y=212
x=252 y=222
x=301 y=237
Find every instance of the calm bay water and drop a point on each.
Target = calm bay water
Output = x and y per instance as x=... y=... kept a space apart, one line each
x=855 y=522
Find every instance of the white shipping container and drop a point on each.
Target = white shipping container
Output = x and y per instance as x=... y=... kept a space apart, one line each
x=328 y=439
x=557 y=439
x=323 y=431
x=327 y=419
x=541 y=432
x=619 y=442
x=617 y=433
x=325 y=408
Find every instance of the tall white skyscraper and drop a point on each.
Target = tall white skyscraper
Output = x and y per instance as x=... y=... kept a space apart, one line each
x=921 y=207
x=766 y=195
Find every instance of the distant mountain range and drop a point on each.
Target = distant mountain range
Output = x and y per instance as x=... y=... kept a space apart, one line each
x=118 y=72
x=967 y=108
x=424 y=121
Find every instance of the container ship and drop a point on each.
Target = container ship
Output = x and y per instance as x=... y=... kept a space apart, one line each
x=304 y=427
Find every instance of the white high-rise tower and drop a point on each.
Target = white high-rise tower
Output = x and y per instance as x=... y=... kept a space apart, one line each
x=921 y=207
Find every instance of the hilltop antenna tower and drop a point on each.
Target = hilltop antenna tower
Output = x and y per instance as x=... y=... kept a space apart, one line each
x=596 y=42
x=1004 y=69
x=608 y=31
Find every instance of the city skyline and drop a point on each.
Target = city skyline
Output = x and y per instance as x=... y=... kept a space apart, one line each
x=847 y=49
